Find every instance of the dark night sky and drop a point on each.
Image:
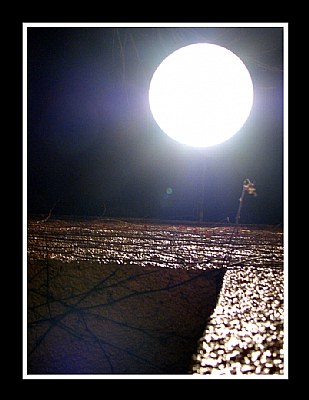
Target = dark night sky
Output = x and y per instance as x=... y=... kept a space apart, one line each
x=92 y=142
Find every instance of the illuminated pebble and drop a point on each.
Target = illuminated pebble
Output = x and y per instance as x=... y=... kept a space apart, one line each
x=246 y=368
x=255 y=355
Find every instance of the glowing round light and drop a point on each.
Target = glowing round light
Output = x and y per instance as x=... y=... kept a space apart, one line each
x=201 y=94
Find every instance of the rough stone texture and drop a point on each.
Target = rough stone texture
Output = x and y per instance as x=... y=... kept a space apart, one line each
x=90 y=318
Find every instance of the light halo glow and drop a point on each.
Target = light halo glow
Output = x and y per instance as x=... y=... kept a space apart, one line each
x=201 y=94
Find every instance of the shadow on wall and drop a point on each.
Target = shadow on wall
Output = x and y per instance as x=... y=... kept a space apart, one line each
x=90 y=318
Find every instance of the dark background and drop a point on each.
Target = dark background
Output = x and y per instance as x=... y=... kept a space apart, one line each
x=93 y=148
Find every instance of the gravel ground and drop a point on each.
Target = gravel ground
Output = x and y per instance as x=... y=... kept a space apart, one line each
x=243 y=332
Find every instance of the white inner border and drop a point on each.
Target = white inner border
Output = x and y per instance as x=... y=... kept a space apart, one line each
x=285 y=170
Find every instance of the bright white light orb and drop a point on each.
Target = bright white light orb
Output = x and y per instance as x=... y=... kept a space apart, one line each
x=201 y=95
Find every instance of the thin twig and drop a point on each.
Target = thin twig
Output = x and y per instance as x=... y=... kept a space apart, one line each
x=50 y=211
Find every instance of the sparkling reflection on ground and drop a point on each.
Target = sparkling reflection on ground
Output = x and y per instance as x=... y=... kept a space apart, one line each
x=245 y=333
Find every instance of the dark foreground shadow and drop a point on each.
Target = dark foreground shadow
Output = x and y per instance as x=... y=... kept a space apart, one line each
x=89 y=318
